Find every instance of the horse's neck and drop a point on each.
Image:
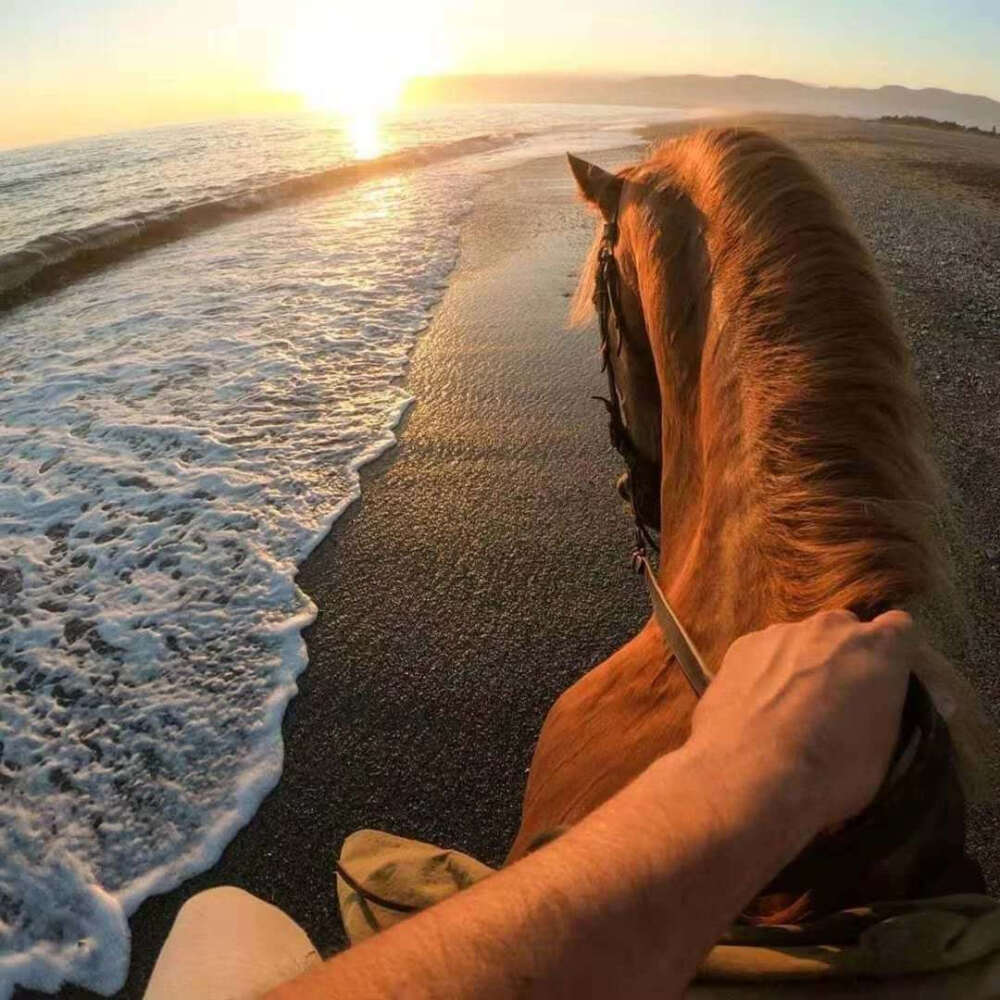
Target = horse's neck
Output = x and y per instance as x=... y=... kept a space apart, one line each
x=711 y=563
x=715 y=579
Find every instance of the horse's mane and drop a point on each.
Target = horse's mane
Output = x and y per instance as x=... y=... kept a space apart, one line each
x=809 y=428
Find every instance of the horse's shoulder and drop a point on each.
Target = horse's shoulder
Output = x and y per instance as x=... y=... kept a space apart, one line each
x=612 y=678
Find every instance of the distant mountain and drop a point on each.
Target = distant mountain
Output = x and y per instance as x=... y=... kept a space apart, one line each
x=730 y=93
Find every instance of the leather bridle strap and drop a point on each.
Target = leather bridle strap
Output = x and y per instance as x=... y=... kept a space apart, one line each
x=611 y=320
x=678 y=641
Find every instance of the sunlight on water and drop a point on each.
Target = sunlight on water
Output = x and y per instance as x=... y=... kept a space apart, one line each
x=202 y=460
x=363 y=129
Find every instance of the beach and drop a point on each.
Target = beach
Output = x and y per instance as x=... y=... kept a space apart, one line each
x=486 y=566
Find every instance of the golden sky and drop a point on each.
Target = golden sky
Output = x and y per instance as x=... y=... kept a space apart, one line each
x=76 y=67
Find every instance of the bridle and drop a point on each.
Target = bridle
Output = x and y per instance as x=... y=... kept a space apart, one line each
x=643 y=475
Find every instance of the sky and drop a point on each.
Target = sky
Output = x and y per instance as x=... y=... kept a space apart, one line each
x=78 y=67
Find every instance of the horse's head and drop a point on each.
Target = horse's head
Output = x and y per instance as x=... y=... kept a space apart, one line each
x=761 y=368
x=645 y=227
x=633 y=389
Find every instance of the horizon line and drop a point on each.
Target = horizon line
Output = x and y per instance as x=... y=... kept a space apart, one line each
x=523 y=75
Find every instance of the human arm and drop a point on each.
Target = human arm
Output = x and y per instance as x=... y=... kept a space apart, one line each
x=793 y=735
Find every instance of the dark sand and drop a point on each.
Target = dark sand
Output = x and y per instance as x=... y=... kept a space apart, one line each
x=486 y=566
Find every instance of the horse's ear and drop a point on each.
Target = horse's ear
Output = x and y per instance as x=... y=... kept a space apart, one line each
x=598 y=186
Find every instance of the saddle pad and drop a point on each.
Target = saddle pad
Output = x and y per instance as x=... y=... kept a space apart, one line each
x=404 y=871
x=947 y=947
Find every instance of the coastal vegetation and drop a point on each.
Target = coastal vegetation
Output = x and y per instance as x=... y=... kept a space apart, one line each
x=925 y=122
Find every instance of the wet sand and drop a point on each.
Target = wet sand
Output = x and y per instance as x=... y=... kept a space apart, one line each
x=486 y=566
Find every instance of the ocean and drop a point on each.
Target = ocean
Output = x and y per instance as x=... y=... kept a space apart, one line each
x=203 y=333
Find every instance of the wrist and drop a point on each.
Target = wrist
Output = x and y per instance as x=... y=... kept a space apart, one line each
x=750 y=794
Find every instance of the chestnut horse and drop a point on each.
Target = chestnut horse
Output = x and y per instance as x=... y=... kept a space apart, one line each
x=761 y=370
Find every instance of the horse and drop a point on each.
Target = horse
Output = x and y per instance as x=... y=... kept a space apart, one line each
x=764 y=399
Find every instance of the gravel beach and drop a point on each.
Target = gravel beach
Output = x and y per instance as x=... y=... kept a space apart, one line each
x=486 y=566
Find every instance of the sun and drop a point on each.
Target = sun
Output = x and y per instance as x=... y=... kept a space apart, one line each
x=355 y=63
x=363 y=76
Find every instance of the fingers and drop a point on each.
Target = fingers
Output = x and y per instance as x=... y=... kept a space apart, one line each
x=894 y=630
x=840 y=615
x=899 y=640
x=895 y=621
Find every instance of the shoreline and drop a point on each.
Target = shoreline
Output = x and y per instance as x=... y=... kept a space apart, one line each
x=486 y=565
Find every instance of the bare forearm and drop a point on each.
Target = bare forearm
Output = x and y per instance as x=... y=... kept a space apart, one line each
x=626 y=903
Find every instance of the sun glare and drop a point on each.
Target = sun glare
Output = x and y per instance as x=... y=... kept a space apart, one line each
x=355 y=63
x=363 y=129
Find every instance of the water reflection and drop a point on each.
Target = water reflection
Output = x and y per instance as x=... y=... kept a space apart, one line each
x=363 y=129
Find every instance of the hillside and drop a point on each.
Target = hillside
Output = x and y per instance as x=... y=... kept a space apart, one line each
x=730 y=93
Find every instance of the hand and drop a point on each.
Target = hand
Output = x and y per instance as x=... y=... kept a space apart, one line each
x=818 y=703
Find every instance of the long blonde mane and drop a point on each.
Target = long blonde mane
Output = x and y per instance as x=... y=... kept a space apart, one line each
x=779 y=358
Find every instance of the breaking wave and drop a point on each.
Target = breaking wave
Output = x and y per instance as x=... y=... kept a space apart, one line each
x=55 y=259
